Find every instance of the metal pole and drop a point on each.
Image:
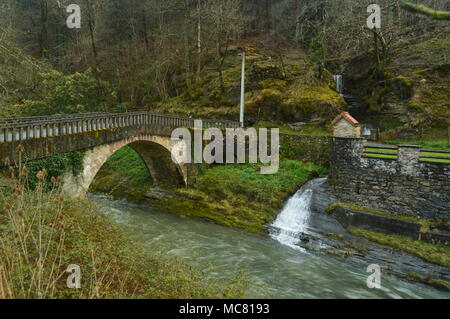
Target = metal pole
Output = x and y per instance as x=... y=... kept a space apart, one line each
x=242 y=89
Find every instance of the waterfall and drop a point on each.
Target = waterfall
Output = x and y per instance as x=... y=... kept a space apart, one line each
x=293 y=220
x=339 y=83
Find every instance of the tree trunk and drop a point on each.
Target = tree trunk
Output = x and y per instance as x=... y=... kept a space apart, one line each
x=187 y=61
x=43 y=38
x=199 y=40
x=94 y=49
x=298 y=10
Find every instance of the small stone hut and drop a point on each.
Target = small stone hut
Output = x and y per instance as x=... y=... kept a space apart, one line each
x=346 y=125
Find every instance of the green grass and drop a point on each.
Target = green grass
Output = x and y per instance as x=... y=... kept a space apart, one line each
x=304 y=130
x=437 y=254
x=42 y=233
x=436 y=144
x=124 y=175
x=239 y=196
x=127 y=162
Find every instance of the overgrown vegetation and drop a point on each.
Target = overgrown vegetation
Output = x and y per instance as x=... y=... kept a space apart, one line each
x=124 y=175
x=55 y=166
x=304 y=129
x=127 y=162
x=412 y=102
x=42 y=233
x=292 y=92
x=439 y=144
x=75 y=93
x=233 y=195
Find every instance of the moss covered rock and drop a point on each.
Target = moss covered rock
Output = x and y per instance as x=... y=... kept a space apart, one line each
x=291 y=91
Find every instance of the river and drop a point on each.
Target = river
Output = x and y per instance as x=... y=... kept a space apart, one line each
x=275 y=270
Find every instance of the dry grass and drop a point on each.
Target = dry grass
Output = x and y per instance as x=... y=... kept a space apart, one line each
x=42 y=233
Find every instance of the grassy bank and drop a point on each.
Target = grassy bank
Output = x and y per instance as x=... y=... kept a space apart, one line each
x=232 y=195
x=42 y=233
x=239 y=196
x=437 y=144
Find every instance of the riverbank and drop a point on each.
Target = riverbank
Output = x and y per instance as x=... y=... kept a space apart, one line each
x=231 y=195
x=397 y=255
x=272 y=269
x=238 y=196
x=42 y=233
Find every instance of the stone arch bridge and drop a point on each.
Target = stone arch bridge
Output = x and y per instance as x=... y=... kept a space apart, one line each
x=100 y=135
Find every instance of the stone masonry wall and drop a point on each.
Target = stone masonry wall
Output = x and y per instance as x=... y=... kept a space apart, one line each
x=404 y=186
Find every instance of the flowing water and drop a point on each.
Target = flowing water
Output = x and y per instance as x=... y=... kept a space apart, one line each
x=293 y=220
x=339 y=83
x=276 y=268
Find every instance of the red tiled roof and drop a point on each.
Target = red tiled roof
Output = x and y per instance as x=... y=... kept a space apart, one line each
x=346 y=116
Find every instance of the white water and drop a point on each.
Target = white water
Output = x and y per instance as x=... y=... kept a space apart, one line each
x=273 y=269
x=293 y=220
x=339 y=83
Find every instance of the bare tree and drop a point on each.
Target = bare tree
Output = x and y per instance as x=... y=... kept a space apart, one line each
x=225 y=22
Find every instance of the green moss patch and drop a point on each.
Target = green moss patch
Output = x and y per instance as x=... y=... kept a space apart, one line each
x=293 y=92
x=298 y=103
x=127 y=162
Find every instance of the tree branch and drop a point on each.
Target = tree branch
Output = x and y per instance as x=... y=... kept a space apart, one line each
x=421 y=9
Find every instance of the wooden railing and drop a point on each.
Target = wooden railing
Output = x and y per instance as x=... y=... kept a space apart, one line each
x=19 y=129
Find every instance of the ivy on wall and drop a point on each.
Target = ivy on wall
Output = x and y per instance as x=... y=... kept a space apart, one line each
x=55 y=166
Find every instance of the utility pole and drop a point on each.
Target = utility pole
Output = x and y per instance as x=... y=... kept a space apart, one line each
x=243 y=89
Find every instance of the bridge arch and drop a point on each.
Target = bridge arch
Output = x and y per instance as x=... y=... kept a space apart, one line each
x=155 y=151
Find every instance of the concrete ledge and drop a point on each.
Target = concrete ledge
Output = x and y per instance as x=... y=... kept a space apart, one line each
x=377 y=223
x=437 y=238
x=387 y=225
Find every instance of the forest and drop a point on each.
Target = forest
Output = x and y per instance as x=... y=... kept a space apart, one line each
x=178 y=56
x=306 y=62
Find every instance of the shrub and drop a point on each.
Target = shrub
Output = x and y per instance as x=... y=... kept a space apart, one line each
x=42 y=233
x=75 y=93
